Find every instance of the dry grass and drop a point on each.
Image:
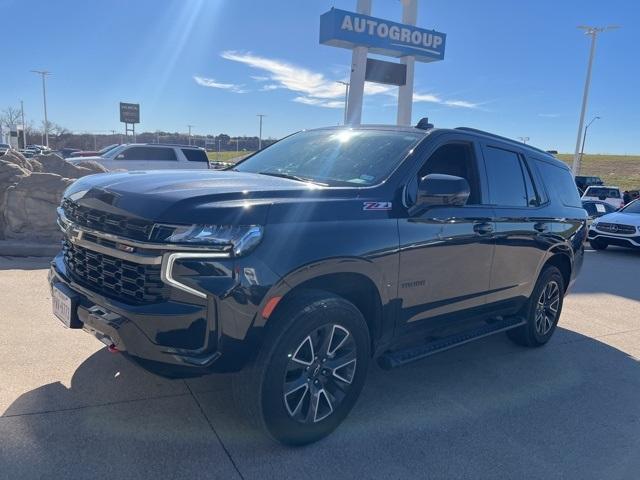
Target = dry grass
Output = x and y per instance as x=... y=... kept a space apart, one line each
x=227 y=156
x=620 y=170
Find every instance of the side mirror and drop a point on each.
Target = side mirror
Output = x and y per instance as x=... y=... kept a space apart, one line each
x=440 y=189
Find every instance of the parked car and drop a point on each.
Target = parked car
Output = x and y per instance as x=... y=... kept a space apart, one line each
x=147 y=156
x=621 y=228
x=318 y=253
x=67 y=152
x=582 y=182
x=94 y=153
x=610 y=195
x=596 y=209
x=4 y=148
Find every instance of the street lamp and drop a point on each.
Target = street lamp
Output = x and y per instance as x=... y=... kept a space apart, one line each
x=44 y=74
x=524 y=139
x=260 y=137
x=593 y=33
x=346 y=98
x=584 y=137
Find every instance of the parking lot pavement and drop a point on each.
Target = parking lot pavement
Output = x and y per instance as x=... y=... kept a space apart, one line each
x=486 y=410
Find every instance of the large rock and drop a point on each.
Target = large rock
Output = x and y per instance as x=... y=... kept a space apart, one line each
x=92 y=165
x=30 y=207
x=55 y=164
x=17 y=158
x=10 y=174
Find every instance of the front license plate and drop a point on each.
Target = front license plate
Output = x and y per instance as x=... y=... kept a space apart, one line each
x=61 y=306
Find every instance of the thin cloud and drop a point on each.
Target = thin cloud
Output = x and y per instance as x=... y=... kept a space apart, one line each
x=549 y=115
x=460 y=104
x=270 y=86
x=311 y=86
x=431 y=98
x=211 y=83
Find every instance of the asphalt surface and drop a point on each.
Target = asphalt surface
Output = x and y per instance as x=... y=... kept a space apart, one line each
x=489 y=409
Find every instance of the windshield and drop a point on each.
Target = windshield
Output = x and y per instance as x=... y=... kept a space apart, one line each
x=114 y=151
x=106 y=149
x=334 y=157
x=602 y=192
x=633 y=207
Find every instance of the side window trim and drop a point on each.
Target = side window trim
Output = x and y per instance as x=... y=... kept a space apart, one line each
x=539 y=185
x=478 y=163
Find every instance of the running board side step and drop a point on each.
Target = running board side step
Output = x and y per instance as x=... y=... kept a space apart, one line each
x=412 y=354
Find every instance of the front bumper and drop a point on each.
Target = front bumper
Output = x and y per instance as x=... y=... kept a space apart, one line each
x=629 y=241
x=179 y=337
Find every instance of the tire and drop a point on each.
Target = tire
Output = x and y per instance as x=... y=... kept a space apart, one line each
x=547 y=296
x=598 y=244
x=288 y=390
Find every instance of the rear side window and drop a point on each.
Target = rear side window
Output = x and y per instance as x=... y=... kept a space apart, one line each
x=149 y=153
x=560 y=184
x=509 y=180
x=194 y=155
x=602 y=192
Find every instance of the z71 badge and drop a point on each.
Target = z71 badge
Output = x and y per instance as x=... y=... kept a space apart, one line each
x=376 y=206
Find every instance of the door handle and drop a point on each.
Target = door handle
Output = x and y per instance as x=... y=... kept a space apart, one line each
x=541 y=227
x=483 y=228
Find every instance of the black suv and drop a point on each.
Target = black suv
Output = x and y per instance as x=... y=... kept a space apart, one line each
x=313 y=256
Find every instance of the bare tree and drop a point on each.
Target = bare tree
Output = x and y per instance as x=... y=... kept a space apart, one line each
x=10 y=116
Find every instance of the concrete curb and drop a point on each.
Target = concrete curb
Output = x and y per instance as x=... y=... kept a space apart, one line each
x=16 y=248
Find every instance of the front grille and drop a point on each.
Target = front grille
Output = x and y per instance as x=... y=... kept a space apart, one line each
x=113 y=277
x=616 y=228
x=120 y=225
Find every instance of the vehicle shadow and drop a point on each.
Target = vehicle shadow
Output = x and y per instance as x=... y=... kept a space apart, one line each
x=486 y=410
x=24 y=263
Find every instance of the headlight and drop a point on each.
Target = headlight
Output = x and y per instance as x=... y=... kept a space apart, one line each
x=242 y=239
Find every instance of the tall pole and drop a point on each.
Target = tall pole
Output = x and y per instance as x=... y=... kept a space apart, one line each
x=593 y=33
x=190 y=132
x=405 y=92
x=584 y=137
x=346 y=98
x=44 y=74
x=260 y=137
x=24 y=132
x=358 y=70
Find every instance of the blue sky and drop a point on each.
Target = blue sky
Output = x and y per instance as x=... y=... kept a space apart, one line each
x=514 y=68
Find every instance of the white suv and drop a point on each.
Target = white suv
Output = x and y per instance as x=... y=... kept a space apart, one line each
x=143 y=156
x=611 y=195
x=621 y=228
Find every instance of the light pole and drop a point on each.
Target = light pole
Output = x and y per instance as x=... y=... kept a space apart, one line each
x=584 y=137
x=44 y=74
x=190 y=132
x=593 y=33
x=260 y=137
x=24 y=131
x=346 y=98
x=524 y=139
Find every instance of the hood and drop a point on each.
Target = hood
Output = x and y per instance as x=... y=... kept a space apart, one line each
x=621 y=218
x=186 y=196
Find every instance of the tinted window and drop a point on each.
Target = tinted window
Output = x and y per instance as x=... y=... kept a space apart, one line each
x=149 y=153
x=194 y=155
x=334 y=157
x=454 y=159
x=506 y=178
x=633 y=207
x=602 y=192
x=560 y=183
x=532 y=195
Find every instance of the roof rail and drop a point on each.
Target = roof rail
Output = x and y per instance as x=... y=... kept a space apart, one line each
x=171 y=145
x=500 y=137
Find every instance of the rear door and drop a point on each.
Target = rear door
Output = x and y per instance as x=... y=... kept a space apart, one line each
x=523 y=224
x=446 y=251
x=195 y=158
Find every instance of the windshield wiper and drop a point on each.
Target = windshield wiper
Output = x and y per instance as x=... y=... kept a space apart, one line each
x=293 y=177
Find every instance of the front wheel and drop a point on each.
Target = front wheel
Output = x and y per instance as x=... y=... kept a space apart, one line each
x=310 y=370
x=542 y=310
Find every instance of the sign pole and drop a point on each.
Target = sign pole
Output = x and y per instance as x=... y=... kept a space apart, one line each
x=405 y=92
x=358 y=71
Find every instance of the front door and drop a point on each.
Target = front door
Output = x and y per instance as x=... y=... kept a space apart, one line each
x=446 y=251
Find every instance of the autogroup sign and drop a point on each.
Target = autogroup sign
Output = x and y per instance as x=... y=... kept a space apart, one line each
x=340 y=28
x=129 y=112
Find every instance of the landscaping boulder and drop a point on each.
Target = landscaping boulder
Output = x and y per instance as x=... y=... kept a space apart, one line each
x=52 y=163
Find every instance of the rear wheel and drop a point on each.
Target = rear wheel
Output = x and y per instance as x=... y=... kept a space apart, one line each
x=542 y=310
x=310 y=370
x=598 y=244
